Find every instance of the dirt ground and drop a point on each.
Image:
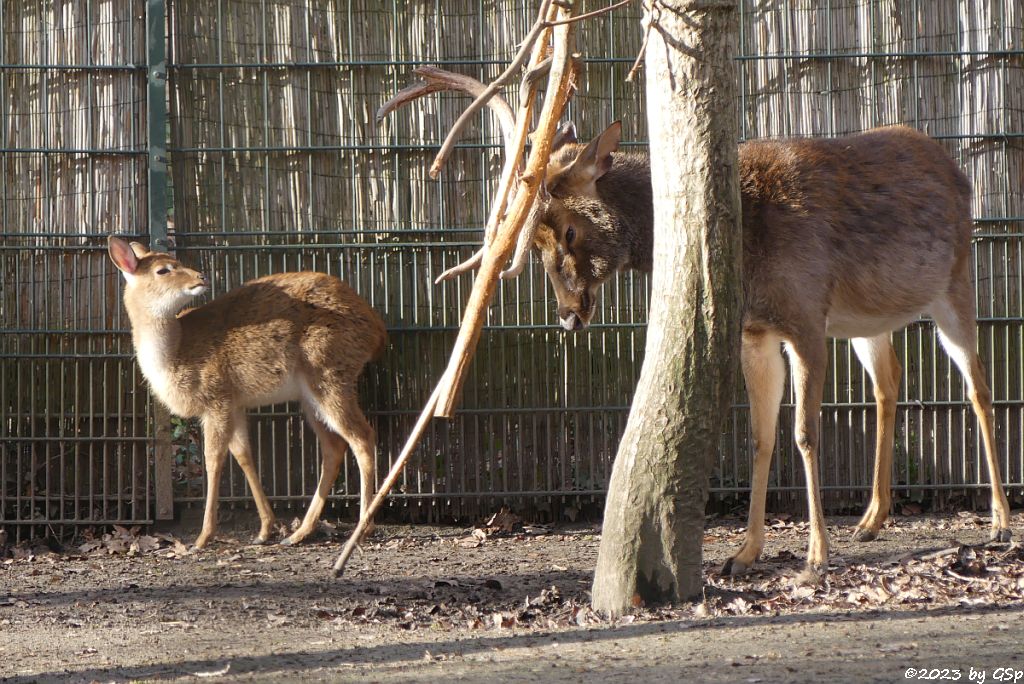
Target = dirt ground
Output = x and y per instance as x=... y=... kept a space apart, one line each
x=429 y=603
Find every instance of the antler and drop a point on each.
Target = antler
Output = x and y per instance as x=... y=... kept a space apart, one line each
x=437 y=80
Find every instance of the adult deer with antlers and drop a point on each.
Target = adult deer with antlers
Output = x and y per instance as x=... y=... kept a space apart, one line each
x=851 y=237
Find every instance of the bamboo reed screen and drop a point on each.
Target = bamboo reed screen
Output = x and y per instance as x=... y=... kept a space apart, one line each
x=74 y=425
x=276 y=164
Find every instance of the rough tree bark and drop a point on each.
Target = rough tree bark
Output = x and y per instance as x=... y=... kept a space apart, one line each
x=654 y=516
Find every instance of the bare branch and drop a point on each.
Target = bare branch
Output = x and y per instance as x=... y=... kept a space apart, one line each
x=538 y=72
x=524 y=209
x=526 y=237
x=389 y=482
x=652 y=19
x=519 y=211
x=407 y=95
x=588 y=15
x=438 y=80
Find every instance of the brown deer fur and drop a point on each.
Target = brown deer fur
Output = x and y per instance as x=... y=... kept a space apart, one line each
x=850 y=237
x=291 y=336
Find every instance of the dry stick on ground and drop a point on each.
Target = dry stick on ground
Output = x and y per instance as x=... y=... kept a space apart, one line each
x=521 y=209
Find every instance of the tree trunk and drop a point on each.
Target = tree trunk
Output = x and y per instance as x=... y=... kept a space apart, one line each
x=654 y=517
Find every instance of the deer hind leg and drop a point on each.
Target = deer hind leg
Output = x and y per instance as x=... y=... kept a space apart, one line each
x=240 y=448
x=338 y=420
x=807 y=364
x=955 y=318
x=217 y=431
x=765 y=375
x=332 y=446
x=348 y=419
x=879 y=358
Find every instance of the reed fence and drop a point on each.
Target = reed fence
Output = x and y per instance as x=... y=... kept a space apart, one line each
x=274 y=163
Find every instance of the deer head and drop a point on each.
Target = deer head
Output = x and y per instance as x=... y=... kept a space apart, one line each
x=593 y=222
x=155 y=283
x=593 y=218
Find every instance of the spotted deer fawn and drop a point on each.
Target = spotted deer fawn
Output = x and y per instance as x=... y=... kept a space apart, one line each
x=851 y=237
x=291 y=336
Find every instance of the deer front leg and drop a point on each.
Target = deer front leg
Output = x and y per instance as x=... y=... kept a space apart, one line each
x=880 y=360
x=765 y=375
x=216 y=432
x=242 y=451
x=807 y=363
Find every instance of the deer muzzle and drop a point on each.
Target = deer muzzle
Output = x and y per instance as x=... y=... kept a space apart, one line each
x=571 y=321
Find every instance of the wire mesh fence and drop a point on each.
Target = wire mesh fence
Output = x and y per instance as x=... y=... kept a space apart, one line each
x=276 y=163
x=74 y=422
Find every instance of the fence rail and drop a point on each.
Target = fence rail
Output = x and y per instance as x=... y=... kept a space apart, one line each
x=261 y=111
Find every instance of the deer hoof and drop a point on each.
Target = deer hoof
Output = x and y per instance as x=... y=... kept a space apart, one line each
x=734 y=567
x=1001 y=535
x=864 y=534
x=259 y=540
x=810 y=576
x=293 y=539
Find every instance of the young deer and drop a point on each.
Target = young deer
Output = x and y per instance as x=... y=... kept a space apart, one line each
x=291 y=336
x=851 y=237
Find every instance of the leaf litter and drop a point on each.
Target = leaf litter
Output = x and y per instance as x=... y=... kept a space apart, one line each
x=515 y=577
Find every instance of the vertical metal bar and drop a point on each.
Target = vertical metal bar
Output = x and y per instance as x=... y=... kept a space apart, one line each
x=309 y=116
x=222 y=135
x=828 y=66
x=156 y=142
x=266 y=116
x=156 y=121
x=90 y=141
x=4 y=191
x=914 y=65
x=741 y=69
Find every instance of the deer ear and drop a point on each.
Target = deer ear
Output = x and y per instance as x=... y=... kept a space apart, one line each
x=139 y=249
x=123 y=256
x=565 y=135
x=596 y=158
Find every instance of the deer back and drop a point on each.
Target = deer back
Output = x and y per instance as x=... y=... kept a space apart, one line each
x=266 y=341
x=862 y=230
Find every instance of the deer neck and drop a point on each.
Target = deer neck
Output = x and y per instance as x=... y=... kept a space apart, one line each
x=157 y=340
x=626 y=190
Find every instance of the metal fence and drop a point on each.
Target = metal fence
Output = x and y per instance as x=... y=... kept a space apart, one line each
x=250 y=147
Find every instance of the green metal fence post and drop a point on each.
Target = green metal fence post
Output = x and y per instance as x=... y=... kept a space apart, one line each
x=156 y=121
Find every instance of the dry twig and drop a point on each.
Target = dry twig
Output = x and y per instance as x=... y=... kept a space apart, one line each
x=652 y=18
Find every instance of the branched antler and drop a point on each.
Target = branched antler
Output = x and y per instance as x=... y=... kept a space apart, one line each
x=437 y=80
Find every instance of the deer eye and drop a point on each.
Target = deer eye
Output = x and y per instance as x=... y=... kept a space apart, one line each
x=570 y=235
x=163 y=271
